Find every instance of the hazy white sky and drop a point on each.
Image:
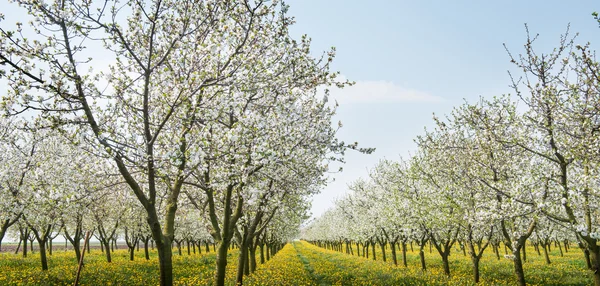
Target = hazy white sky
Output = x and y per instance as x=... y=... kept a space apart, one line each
x=413 y=58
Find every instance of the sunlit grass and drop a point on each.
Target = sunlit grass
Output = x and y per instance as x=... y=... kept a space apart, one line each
x=567 y=270
x=298 y=263
x=195 y=269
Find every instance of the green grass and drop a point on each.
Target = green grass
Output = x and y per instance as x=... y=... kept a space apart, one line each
x=299 y=263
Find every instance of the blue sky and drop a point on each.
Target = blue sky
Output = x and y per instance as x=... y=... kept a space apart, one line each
x=411 y=59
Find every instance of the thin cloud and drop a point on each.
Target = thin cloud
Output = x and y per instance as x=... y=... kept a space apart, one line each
x=380 y=91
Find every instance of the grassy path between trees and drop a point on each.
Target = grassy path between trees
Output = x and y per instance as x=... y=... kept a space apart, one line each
x=334 y=268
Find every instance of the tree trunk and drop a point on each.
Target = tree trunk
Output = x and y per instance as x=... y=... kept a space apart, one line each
x=393 y=246
x=165 y=261
x=25 y=248
x=382 y=245
x=497 y=251
x=76 y=247
x=268 y=254
x=43 y=258
x=518 y=265
x=475 y=261
x=146 y=252
x=373 y=250
x=221 y=263
x=131 y=251
x=18 y=246
x=560 y=248
x=422 y=256
x=546 y=253
x=247 y=262
x=107 y=252
x=446 y=263
x=404 y=254
x=594 y=251
x=252 y=257
x=242 y=258
x=262 y=253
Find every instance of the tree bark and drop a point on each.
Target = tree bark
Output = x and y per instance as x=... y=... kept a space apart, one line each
x=518 y=266
x=242 y=258
x=393 y=246
x=373 y=250
x=404 y=254
x=546 y=253
x=107 y=252
x=382 y=245
x=422 y=256
x=595 y=261
x=146 y=252
x=262 y=253
x=43 y=258
x=221 y=264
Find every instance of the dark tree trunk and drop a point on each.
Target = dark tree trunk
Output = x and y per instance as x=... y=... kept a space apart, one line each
x=404 y=254
x=518 y=265
x=475 y=261
x=221 y=263
x=268 y=252
x=107 y=252
x=43 y=258
x=595 y=255
x=373 y=250
x=131 y=252
x=146 y=252
x=446 y=264
x=422 y=256
x=253 y=257
x=25 y=248
x=262 y=253
x=243 y=256
x=165 y=260
x=393 y=246
x=18 y=246
x=545 y=246
x=383 y=257
x=559 y=248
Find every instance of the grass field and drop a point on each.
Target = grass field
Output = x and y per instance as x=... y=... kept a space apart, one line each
x=298 y=263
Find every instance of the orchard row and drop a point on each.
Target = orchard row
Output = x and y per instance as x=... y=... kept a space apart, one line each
x=167 y=121
x=507 y=170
